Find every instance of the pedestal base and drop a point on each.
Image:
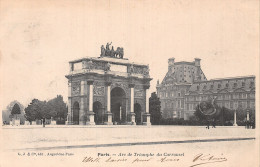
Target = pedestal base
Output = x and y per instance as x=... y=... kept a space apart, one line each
x=234 y=124
x=131 y=120
x=69 y=123
x=146 y=119
x=108 y=120
x=82 y=123
x=90 y=118
x=90 y=123
x=26 y=123
x=147 y=123
x=130 y=123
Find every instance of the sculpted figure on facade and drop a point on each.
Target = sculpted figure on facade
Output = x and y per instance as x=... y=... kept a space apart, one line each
x=90 y=65
x=108 y=52
x=146 y=71
x=103 y=51
x=112 y=52
x=131 y=69
x=107 y=67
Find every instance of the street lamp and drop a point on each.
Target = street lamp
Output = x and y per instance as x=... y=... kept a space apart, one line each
x=235 y=118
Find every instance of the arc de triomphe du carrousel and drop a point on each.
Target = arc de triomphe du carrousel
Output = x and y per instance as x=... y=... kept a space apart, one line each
x=108 y=90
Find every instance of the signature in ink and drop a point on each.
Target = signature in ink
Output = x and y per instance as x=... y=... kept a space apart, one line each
x=202 y=159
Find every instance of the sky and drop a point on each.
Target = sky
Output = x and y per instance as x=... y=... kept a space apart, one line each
x=39 y=38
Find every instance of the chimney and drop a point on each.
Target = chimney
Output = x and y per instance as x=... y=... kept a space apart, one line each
x=197 y=62
x=171 y=64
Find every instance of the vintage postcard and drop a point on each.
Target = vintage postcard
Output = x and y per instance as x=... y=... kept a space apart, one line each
x=129 y=83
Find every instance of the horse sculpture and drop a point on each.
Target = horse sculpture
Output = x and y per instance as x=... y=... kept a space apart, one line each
x=119 y=53
x=107 y=52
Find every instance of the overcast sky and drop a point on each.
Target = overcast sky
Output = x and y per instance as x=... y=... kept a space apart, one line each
x=38 y=38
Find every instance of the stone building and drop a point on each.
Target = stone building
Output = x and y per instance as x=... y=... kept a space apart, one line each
x=185 y=85
x=107 y=90
x=232 y=93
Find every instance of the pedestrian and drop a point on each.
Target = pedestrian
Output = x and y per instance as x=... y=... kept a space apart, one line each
x=207 y=124
x=213 y=124
x=43 y=122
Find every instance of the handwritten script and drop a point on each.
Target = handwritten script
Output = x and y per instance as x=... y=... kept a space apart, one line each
x=202 y=159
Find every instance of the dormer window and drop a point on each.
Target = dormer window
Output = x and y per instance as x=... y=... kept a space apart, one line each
x=211 y=86
x=235 y=85
x=227 y=85
x=204 y=87
x=243 y=84
x=219 y=86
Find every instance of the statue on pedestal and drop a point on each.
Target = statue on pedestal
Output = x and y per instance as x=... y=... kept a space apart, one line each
x=108 y=52
x=103 y=51
x=112 y=52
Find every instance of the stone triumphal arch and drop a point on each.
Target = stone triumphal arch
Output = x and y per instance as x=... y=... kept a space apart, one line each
x=108 y=90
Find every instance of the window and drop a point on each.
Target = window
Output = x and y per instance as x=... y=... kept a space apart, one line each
x=244 y=95
x=251 y=84
x=252 y=104
x=190 y=107
x=220 y=97
x=235 y=104
x=235 y=96
x=182 y=104
x=231 y=105
x=198 y=87
x=235 y=85
x=179 y=103
x=227 y=97
x=211 y=86
x=219 y=86
x=244 y=104
x=243 y=84
x=227 y=85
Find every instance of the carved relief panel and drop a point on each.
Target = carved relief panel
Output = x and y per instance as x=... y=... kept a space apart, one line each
x=75 y=88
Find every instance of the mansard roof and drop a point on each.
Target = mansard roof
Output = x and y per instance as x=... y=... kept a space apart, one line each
x=224 y=85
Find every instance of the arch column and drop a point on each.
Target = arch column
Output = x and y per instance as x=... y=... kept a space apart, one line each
x=132 y=114
x=146 y=115
x=108 y=114
x=83 y=91
x=90 y=113
x=70 y=114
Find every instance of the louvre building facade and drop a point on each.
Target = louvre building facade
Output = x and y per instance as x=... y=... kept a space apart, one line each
x=185 y=85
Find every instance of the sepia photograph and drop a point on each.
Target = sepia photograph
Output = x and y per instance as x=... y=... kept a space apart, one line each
x=129 y=83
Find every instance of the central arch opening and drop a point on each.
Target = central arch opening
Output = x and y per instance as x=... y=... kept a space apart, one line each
x=118 y=105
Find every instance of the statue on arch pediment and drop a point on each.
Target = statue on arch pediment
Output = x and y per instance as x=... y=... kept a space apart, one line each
x=103 y=51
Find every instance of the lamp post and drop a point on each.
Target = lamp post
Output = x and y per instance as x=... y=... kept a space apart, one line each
x=247 y=115
x=235 y=118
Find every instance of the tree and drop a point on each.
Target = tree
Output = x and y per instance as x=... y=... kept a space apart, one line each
x=57 y=108
x=155 y=109
x=16 y=110
x=45 y=110
x=32 y=111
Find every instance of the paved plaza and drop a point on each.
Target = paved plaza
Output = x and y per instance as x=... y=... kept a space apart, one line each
x=70 y=145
